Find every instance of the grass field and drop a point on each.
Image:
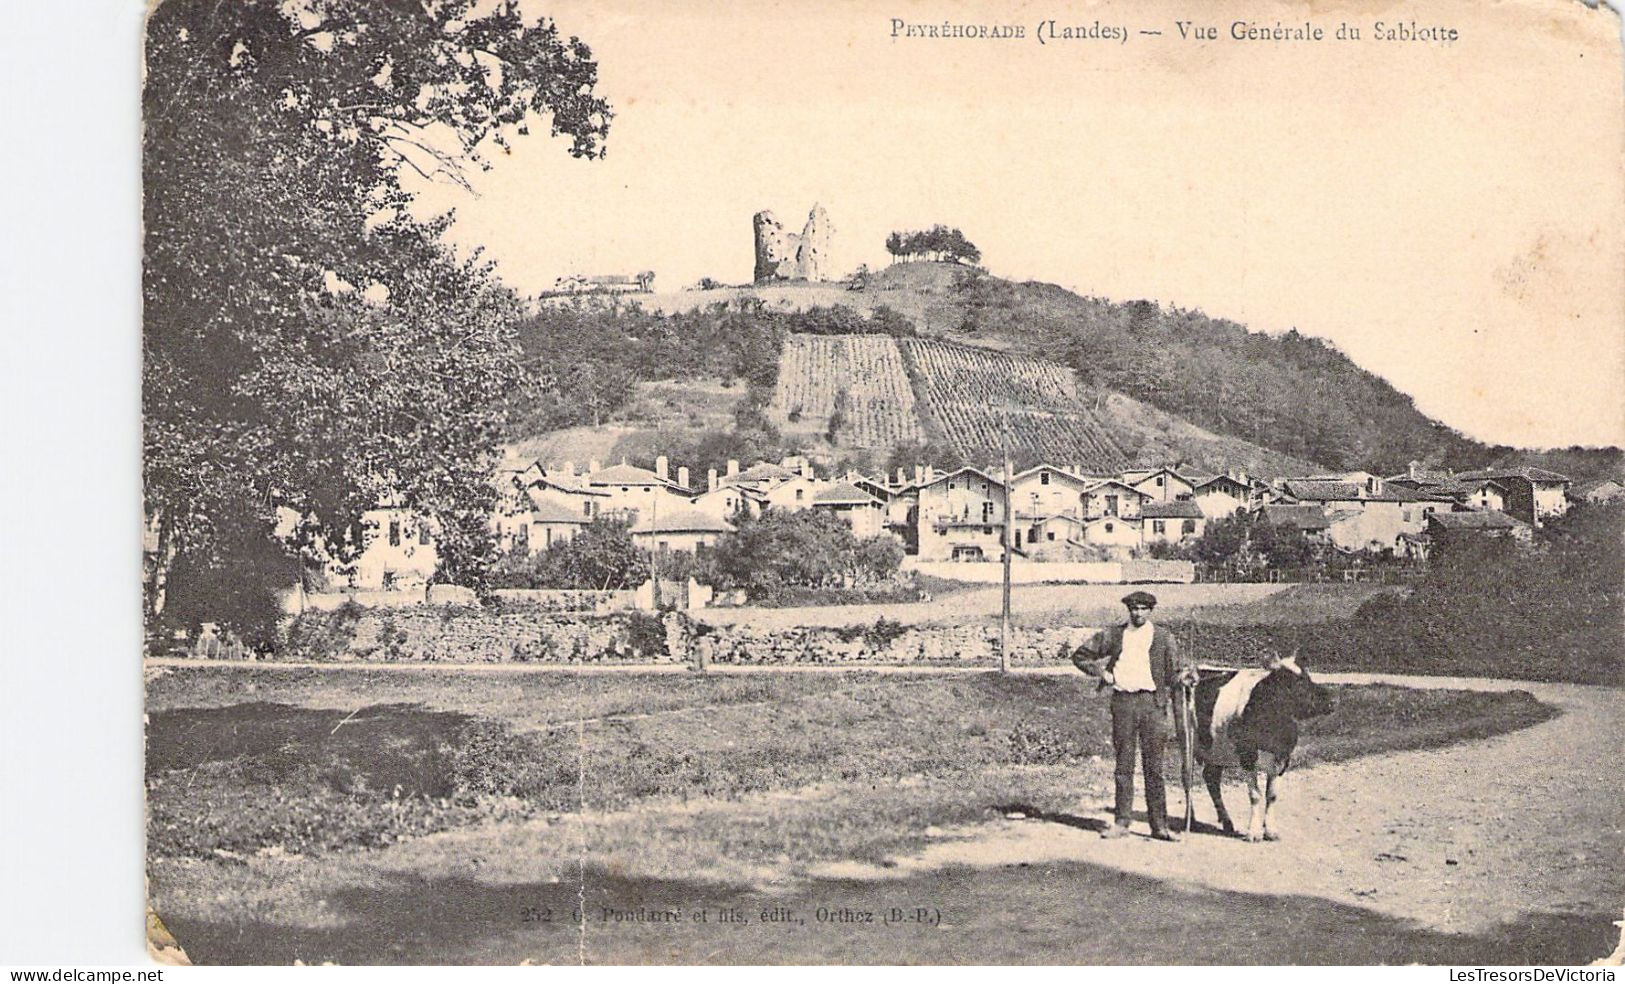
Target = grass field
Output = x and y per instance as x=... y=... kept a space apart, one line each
x=288 y=805
x=314 y=761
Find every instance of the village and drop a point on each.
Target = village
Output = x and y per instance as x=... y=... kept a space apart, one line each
x=1063 y=520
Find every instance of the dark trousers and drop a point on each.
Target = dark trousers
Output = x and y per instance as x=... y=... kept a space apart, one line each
x=1137 y=718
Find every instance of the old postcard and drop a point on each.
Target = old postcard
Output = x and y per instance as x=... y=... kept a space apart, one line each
x=845 y=483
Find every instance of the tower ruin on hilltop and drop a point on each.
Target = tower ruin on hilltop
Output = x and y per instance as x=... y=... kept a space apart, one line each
x=783 y=255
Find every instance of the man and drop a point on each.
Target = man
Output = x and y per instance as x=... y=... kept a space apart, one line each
x=1140 y=662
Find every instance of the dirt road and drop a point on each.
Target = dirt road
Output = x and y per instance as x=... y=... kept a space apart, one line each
x=1525 y=829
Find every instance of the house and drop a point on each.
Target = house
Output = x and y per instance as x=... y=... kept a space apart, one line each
x=546 y=522
x=1120 y=535
x=1223 y=495
x=760 y=476
x=1311 y=520
x=1386 y=510
x=397 y=553
x=1053 y=538
x=961 y=516
x=607 y=283
x=725 y=502
x=1112 y=498
x=680 y=529
x=864 y=513
x=900 y=507
x=1045 y=490
x=1483 y=493
x=1475 y=523
x=1172 y=522
x=537 y=508
x=1532 y=494
x=1162 y=485
x=631 y=490
x=1596 y=490
x=792 y=494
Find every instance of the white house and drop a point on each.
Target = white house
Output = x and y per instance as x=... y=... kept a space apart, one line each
x=1112 y=498
x=961 y=517
x=864 y=513
x=1171 y=522
x=1045 y=490
x=1161 y=485
x=683 y=528
x=1222 y=495
x=398 y=553
x=632 y=491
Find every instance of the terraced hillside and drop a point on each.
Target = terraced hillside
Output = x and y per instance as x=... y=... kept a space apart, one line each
x=969 y=393
x=861 y=376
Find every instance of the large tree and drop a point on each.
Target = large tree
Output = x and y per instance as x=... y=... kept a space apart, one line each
x=310 y=345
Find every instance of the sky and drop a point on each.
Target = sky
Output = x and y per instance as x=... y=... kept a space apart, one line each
x=1450 y=216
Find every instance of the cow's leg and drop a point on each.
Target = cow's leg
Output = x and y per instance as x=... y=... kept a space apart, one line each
x=1212 y=775
x=1268 y=764
x=1257 y=785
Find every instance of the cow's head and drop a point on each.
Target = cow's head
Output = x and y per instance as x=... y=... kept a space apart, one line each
x=1305 y=697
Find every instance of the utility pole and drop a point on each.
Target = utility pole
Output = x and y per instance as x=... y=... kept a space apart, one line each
x=1009 y=540
x=654 y=550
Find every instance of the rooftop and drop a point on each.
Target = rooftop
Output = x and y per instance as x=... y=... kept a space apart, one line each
x=1178 y=509
x=1485 y=519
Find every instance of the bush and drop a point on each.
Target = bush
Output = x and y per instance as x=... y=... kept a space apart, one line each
x=780 y=551
x=321 y=635
x=601 y=557
x=1485 y=607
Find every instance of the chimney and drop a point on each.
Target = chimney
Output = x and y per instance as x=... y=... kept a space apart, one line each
x=919 y=474
x=806 y=468
x=930 y=474
x=661 y=466
x=1414 y=468
x=569 y=469
x=902 y=477
x=711 y=480
x=733 y=467
x=593 y=466
x=682 y=476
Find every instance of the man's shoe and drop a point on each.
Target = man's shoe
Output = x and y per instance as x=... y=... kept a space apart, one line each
x=1164 y=835
x=1114 y=831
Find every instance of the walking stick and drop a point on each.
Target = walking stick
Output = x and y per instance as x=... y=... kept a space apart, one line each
x=1187 y=717
x=1187 y=722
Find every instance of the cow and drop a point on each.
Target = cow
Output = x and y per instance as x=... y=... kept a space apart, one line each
x=1249 y=719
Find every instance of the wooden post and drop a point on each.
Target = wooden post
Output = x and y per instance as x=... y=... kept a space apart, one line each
x=1009 y=539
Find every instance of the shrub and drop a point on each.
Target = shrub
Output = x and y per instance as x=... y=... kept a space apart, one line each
x=321 y=635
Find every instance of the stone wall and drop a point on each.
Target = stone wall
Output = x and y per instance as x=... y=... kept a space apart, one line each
x=477 y=635
x=963 y=644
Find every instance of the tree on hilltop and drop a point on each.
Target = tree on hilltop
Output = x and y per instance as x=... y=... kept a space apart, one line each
x=936 y=243
x=309 y=345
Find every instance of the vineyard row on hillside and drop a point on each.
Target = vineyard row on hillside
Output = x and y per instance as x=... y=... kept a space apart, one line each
x=970 y=393
x=860 y=376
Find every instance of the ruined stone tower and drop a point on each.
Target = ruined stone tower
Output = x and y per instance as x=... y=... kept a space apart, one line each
x=782 y=255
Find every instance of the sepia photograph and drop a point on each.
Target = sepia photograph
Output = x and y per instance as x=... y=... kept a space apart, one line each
x=839 y=483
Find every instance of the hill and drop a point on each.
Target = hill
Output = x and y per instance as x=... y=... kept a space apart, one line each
x=1129 y=380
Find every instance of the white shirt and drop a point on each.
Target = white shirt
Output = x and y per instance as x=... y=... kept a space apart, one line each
x=1132 y=671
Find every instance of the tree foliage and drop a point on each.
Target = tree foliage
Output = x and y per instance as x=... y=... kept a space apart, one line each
x=804 y=548
x=937 y=243
x=1288 y=392
x=309 y=343
x=601 y=557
